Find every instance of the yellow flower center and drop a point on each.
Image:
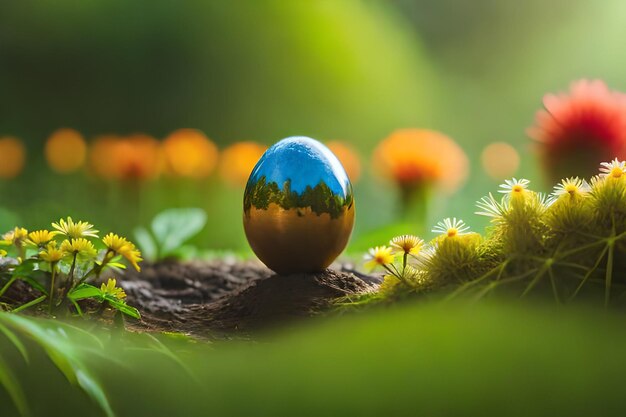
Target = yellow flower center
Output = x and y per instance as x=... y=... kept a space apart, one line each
x=517 y=188
x=617 y=172
x=452 y=232
x=571 y=189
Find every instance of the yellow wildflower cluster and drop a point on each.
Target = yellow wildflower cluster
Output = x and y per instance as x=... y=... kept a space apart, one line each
x=563 y=242
x=70 y=239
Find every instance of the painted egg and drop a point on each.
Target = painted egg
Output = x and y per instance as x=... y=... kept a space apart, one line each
x=298 y=206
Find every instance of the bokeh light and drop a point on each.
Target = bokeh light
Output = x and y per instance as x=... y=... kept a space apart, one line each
x=65 y=150
x=419 y=157
x=101 y=156
x=12 y=157
x=500 y=160
x=348 y=157
x=189 y=153
x=238 y=160
x=137 y=157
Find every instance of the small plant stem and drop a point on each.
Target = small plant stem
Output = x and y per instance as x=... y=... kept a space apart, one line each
x=499 y=269
x=91 y=271
x=21 y=252
x=535 y=280
x=69 y=285
x=609 y=273
x=564 y=255
x=53 y=265
x=395 y=273
x=7 y=285
x=493 y=284
x=589 y=272
x=553 y=283
x=29 y=304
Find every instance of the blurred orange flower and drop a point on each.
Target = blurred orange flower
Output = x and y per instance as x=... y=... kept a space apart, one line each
x=348 y=158
x=415 y=158
x=65 y=150
x=500 y=160
x=12 y=157
x=580 y=129
x=135 y=157
x=138 y=157
x=189 y=153
x=238 y=160
x=101 y=156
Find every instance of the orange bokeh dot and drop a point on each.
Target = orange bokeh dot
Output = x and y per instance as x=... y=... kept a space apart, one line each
x=12 y=157
x=419 y=157
x=500 y=160
x=135 y=157
x=138 y=157
x=65 y=150
x=101 y=156
x=238 y=160
x=189 y=153
x=348 y=158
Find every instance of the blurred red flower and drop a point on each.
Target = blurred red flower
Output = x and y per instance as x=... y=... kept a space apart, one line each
x=579 y=129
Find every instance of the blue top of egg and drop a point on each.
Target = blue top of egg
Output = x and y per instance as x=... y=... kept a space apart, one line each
x=304 y=161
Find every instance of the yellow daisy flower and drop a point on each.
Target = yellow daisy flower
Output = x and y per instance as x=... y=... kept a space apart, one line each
x=451 y=227
x=40 y=237
x=406 y=244
x=15 y=237
x=51 y=253
x=111 y=288
x=3 y=253
x=122 y=246
x=379 y=256
x=75 y=230
x=80 y=246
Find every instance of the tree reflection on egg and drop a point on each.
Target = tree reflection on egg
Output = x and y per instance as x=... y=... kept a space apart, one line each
x=298 y=207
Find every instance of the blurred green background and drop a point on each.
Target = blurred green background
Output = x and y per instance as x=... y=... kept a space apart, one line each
x=263 y=70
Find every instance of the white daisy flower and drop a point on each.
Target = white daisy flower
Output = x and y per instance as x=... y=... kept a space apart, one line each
x=451 y=227
x=490 y=207
x=514 y=186
x=615 y=168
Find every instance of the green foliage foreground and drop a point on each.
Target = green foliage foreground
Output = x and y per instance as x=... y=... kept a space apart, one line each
x=429 y=359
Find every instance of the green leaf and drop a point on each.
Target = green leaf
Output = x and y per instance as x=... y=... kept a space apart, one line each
x=32 y=281
x=123 y=307
x=173 y=227
x=26 y=267
x=64 y=355
x=146 y=243
x=115 y=265
x=16 y=342
x=9 y=381
x=85 y=291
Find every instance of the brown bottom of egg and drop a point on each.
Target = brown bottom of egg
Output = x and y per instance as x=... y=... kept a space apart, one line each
x=297 y=240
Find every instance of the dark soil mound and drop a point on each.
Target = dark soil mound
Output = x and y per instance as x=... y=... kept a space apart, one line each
x=217 y=298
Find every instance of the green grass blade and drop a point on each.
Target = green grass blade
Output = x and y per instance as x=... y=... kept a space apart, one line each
x=65 y=357
x=29 y=304
x=15 y=341
x=13 y=388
